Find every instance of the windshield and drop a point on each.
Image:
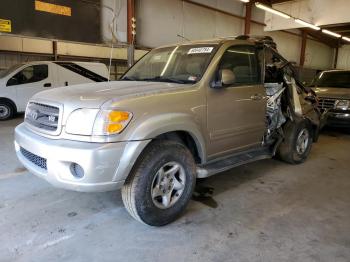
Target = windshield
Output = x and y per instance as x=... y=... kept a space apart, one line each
x=333 y=79
x=178 y=64
x=10 y=70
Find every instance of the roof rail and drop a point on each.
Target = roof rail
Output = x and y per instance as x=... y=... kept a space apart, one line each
x=263 y=39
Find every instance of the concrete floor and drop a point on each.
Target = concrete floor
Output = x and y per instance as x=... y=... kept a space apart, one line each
x=265 y=211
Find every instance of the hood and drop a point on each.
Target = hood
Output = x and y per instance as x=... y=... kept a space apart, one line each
x=333 y=92
x=94 y=95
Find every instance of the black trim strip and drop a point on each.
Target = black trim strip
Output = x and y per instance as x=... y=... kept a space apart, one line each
x=82 y=71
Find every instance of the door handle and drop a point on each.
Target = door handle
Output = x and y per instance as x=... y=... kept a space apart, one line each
x=256 y=97
x=47 y=85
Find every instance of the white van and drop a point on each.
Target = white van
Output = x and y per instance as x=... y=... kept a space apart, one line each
x=20 y=82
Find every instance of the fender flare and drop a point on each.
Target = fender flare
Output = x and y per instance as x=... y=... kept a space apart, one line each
x=171 y=122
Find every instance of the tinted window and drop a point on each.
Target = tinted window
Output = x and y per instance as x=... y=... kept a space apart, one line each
x=29 y=74
x=333 y=79
x=242 y=61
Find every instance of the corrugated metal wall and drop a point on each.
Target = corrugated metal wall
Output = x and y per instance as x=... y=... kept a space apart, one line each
x=160 y=21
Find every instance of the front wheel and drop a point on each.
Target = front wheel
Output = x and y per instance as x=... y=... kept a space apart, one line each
x=297 y=142
x=161 y=184
x=6 y=111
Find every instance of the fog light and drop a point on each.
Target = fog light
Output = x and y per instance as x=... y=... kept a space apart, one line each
x=76 y=170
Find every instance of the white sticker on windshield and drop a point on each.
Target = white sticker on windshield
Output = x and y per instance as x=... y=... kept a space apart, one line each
x=200 y=50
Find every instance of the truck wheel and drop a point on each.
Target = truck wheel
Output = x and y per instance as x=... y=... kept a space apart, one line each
x=161 y=184
x=297 y=142
x=6 y=111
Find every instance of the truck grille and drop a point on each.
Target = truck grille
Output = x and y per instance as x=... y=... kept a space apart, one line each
x=326 y=102
x=42 y=116
x=36 y=160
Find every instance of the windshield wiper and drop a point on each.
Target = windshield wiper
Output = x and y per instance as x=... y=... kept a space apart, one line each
x=127 y=78
x=166 y=79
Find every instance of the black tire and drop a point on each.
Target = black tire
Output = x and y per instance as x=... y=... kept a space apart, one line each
x=6 y=111
x=288 y=151
x=139 y=186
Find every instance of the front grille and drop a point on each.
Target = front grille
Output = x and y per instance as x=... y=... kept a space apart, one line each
x=36 y=160
x=326 y=102
x=42 y=116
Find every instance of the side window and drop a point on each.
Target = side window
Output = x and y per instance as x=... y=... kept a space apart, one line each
x=30 y=74
x=243 y=62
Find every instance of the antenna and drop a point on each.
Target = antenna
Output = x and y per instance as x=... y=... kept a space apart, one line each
x=181 y=36
x=112 y=27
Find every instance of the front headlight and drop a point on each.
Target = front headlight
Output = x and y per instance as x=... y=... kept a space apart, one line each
x=342 y=104
x=81 y=121
x=109 y=122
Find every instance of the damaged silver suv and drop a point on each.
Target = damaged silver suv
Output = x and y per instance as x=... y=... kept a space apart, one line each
x=182 y=112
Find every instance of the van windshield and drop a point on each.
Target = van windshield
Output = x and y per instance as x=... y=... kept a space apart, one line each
x=178 y=64
x=337 y=79
x=9 y=70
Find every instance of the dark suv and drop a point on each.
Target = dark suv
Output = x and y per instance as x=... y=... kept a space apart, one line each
x=333 y=90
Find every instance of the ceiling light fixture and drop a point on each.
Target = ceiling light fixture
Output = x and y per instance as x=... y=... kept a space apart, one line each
x=245 y=1
x=346 y=38
x=299 y=21
x=271 y=10
x=330 y=33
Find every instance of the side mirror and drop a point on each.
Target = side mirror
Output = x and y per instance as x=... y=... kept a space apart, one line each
x=225 y=78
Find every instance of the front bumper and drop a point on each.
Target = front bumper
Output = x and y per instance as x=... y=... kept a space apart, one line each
x=105 y=165
x=339 y=119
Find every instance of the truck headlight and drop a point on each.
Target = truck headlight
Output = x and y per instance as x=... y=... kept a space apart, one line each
x=109 y=122
x=342 y=104
x=81 y=121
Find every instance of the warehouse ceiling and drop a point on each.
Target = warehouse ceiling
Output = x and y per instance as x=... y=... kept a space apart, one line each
x=331 y=27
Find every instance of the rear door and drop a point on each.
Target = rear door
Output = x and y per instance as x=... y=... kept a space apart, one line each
x=29 y=81
x=236 y=113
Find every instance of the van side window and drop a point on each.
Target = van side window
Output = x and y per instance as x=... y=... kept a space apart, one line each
x=30 y=74
x=243 y=62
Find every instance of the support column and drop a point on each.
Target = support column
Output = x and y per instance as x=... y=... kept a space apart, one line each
x=54 y=50
x=130 y=35
x=130 y=16
x=336 y=57
x=247 y=18
x=303 y=48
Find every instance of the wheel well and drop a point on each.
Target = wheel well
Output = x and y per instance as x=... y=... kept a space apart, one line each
x=184 y=138
x=4 y=99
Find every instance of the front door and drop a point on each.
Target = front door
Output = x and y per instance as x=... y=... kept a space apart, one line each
x=236 y=113
x=29 y=81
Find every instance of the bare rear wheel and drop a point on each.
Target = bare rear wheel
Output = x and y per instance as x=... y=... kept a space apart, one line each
x=297 y=142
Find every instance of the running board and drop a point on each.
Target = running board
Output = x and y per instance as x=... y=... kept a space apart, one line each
x=224 y=164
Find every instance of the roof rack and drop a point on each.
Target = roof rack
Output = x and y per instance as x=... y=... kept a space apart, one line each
x=266 y=40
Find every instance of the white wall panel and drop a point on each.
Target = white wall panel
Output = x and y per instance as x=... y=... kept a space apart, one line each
x=199 y=23
x=228 y=25
x=158 y=22
x=344 y=57
x=318 y=55
x=109 y=8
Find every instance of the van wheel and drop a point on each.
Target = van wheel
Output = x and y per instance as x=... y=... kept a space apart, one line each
x=6 y=111
x=297 y=142
x=161 y=184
